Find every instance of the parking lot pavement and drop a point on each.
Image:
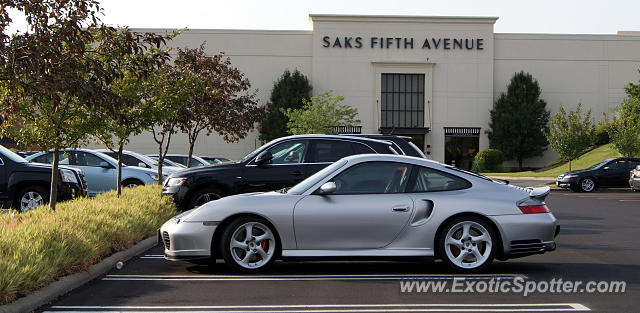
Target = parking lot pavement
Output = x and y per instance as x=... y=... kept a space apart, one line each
x=598 y=242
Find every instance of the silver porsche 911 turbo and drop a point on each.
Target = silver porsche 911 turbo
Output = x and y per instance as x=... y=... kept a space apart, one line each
x=370 y=206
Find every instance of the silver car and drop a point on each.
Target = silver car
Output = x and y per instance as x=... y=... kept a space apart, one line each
x=100 y=170
x=370 y=206
x=130 y=158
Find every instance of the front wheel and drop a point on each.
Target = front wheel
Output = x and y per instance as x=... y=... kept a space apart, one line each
x=203 y=196
x=587 y=184
x=32 y=197
x=467 y=244
x=132 y=183
x=248 y=245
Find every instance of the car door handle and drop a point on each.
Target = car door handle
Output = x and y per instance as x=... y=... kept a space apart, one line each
x=296 y=173
x=400 y=209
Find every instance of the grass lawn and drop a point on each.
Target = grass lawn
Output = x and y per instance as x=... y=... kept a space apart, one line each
x=592 y=157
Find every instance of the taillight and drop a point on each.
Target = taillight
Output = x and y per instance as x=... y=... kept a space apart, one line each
x=533 y=209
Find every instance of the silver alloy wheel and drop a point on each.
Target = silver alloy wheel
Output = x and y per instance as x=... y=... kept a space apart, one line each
x=131 y=185
x=252 y=245
x=468 y=244
x=30 y=200
x=587 y=184
x=206 y=197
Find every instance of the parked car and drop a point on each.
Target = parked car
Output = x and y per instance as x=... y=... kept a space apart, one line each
x=25 y=185
x=608 y=173
x=99 y=169
x=278 y=164
x=215 y=160
x=402 y=144
x=370 y=206
x=130 y=158
x=182 y=159
x=634 y=178
x=25 y=154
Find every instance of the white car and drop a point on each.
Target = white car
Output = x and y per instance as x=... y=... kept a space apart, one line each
x=100 y=170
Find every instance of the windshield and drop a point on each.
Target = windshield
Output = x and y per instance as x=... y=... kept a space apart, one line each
x=254 y=153
x=315 y=178
x=599 y=164
x=12 y=155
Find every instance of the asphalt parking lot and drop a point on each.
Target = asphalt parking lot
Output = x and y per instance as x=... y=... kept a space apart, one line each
x=599 y=241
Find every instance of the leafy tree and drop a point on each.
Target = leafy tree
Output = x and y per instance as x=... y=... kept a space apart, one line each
x=570 y=134
x=633 y=90
x=288 y=92
x=225 y=107
x=123 y=112
x=624 y=130
x=168 y=93
x=48 y=81
x=519 y=119
x=321 y=115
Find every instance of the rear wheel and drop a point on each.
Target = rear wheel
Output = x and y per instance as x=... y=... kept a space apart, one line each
x=131 y=183
x=467 y=244
x=587 y=184
x=31 y=197
x=248 y=244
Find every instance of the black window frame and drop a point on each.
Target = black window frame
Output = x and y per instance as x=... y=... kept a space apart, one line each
x=394 y=86
x=409 y=168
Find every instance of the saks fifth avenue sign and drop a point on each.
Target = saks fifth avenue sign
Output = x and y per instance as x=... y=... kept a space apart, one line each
x=429 y=43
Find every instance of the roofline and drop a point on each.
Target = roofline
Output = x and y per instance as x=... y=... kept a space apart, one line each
x=345 y=136
x=403 y=19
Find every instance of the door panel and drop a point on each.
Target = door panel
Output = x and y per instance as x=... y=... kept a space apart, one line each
x=98 y=179
x=350 y=221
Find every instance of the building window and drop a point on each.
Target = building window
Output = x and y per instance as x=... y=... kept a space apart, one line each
x=402 y=101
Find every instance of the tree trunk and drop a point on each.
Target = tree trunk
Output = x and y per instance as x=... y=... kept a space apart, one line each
x=520 y=163
x=160 y=160
x=569 y=165
x=54 y=181
x=191 y=144
x=119 y=176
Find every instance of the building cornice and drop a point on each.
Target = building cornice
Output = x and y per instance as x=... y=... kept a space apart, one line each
x=401 y=19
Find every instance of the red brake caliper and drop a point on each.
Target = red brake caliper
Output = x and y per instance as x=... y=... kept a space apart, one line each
x=455 y=250
x=265 y=245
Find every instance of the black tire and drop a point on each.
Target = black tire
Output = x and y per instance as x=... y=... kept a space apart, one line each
x=31 y=194
x=131 y=183
x=478 y=226
x=204 y=195
x=587 y=184
x=237 y=227
x=575 y=189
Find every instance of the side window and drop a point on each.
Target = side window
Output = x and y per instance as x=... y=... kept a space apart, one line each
x=87 y=159
x=373 y=177
x=47 y=158
x=131 y=161
x=359 y=148
x=432 y=180
x=330 y=150
x=289 y=152
x=178 y=159
x=195 y=162
x=618 y=165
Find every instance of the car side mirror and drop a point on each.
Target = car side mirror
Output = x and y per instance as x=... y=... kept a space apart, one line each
x=638 y=168
x=263 y=158
x=606 y=168
x=327 y=188
x=142 y=165
x=104 y=165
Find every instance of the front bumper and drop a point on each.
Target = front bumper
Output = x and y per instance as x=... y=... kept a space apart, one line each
x=527 y=234
x=186 y=240
x=178 y=193
x=567 y=182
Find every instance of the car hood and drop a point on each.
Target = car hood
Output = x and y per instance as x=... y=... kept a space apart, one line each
x=258 y=203
x=206 y=169
x=576 y=172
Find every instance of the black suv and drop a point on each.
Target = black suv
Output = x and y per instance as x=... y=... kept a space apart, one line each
x=25 y=185
x=278 y=164
x=608 y=173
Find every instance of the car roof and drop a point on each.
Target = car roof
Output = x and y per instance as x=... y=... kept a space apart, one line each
x=394 y=158
x=373 y=136
x=322 y=136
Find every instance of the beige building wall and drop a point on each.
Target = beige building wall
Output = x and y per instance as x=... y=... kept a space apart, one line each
x=571 y=69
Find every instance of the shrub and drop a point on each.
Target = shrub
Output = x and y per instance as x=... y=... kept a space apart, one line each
x=601 y=134
x=38 y=246
x=488 y=160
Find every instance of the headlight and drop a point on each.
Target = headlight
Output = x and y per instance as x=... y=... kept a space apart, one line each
x=173 y=182
x=571 y=176
x=68 y=176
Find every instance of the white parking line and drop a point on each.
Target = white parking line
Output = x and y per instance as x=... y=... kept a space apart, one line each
x=308 y=277
x=346 y=308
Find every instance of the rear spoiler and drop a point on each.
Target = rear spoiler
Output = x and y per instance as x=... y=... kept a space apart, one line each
x=539 y=192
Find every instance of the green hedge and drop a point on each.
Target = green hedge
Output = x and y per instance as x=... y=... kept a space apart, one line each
x=489 y=160
x=38 y=246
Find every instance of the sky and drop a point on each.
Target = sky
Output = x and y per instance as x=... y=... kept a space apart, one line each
x=515 y=16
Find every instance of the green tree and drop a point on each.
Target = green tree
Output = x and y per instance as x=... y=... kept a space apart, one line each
x=226 y=106
x=123 y=113
x=633 y=90
x=624 y=130
x=288 y=93
x=320 y=115
x=519 y=119
x=48 y=79
x=570 y=134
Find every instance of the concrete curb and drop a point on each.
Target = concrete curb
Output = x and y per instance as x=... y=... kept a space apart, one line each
x=65 y=284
